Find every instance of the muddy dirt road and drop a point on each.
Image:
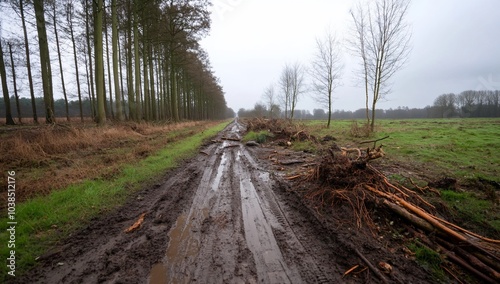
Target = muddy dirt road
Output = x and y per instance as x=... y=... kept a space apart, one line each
x=223 y=217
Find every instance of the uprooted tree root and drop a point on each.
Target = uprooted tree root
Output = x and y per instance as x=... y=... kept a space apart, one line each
x=344 y=177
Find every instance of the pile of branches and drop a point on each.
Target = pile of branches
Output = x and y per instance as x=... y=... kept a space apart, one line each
x=345 y=175
x=281 y=128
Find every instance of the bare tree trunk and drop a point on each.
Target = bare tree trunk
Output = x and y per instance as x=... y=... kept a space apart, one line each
x=145 y=61
x=99 y=62
x=138 y=94
x=60 y=61
x=326 y=70
x=91 y=99
x=90 y=65
x=69 y=15
x=12 y=65
x=154 y=115
x=6 y=98
x=109 y=68
x=122 y=104
x=28 y=63
x=173 y=95
x=48 y=96
x=130 y=82
x=114 y=43
x=382 y=40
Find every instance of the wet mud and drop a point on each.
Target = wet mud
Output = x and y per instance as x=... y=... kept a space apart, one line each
x=225 y=216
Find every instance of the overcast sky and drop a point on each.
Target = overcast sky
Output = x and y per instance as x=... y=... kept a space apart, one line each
x=455 y=47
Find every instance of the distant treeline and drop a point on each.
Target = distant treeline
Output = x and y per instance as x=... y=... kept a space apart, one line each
x=465 y=104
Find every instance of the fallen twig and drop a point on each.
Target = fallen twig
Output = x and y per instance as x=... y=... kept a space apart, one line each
x=231 y=139
x=290 y=162
x=350 y=270
x=137 y=224
x=370 y=265
x=231 y=146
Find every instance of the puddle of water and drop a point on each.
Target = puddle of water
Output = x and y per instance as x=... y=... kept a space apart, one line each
x=158 y=274
x=260 y=238
x=264 y=176
x=181 y=247
x=220 y=170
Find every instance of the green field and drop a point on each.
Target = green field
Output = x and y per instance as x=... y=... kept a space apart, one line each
x=460 y=148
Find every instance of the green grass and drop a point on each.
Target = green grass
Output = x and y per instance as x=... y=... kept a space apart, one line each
x=462 y=148
x=259 y=137
x=45 y=221
x=304 y=146
x=471 y=208
x=428 y=259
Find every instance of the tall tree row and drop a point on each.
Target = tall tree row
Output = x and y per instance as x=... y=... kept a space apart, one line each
x=159 y=71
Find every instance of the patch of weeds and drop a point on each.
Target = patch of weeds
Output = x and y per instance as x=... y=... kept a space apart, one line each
x=429 y=259
x=304 y=146
x=362 y=131
x=259 y=137
x=397 y=177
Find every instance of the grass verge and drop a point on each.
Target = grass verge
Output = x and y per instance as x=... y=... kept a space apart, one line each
x=44 y=221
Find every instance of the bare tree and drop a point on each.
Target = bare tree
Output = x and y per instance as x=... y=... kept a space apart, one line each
x=446 y=105
x=292 y=86
x=270 y=100
x=61 y=71
x=28 y=59
x=326 y=70
x=69 y=9
x=5 y=90
x=98 y=8
x=381 y=39
x=14 y=81
x=114 y=43
x=48 y=93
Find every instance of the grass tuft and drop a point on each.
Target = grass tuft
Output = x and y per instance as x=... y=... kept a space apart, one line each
x=259 y=137
x=428 y=259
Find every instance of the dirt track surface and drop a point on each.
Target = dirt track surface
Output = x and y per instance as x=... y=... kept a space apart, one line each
x=223 y=217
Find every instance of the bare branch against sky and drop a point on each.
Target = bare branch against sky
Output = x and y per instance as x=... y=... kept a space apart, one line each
x=381 y=40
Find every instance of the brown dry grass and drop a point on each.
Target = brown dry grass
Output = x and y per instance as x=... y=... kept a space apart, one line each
x=50 y=157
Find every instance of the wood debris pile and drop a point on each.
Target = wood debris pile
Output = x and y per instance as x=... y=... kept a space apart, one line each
x=345 y=176
x=281 y=128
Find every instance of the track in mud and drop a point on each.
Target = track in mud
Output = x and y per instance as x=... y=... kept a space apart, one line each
x=220 y=218
x=227 y=234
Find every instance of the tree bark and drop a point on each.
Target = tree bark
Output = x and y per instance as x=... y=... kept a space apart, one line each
x=90 y=65
x=69 y=15
x=109 y=68
x=114 y=43
x=12 y=65
x=99 y=62
x=138 y=102
x=28 y=62
x=130 y=72
x=6 y=98
x=48 y=96
x=60 y=61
